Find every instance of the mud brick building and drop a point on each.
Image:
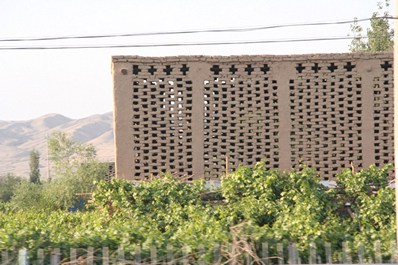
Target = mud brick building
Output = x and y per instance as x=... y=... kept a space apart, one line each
x=187 y=114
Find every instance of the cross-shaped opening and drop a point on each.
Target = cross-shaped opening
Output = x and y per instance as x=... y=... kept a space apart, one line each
x=300 y=68
x=386 y=65
x=316 y=68
x=249 y=69
x=216 y=69
x=349 y=67
x=152 y=70
x=136 y=70
x=265 y=69
x=168 y=70
x=233 y=69
x=184 y=69
x=332 y=67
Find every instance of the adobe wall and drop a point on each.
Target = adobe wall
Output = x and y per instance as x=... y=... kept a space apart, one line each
x=187 y=115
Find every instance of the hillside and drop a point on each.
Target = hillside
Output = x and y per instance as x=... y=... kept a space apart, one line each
x=18 y=138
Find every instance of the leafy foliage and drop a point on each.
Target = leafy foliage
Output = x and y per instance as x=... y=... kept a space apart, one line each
x=34 y=164
x=368 y=206
x=257 y=205
x=380 y=36
x=28 y=196
x=67 y=155
x=75 y=171
x=8 y=184
x=152 y=200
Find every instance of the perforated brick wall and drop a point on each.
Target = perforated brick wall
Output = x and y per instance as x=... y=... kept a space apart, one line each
x=194 y=116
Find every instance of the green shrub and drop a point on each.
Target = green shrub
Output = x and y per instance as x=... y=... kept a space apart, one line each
x=258 y=205
x=8 y=184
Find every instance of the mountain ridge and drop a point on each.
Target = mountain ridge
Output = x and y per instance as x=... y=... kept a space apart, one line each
x=18 y=138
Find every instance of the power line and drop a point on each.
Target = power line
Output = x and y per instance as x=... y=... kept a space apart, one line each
x=219 y=30
x=153 y=45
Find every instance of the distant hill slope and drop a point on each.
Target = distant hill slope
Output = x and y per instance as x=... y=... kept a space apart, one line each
x=18 y=138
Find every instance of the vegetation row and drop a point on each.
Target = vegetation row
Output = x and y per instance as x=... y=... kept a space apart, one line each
x=251 y=207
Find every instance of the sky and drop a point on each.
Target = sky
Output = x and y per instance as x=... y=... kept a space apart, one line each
x=78 y=82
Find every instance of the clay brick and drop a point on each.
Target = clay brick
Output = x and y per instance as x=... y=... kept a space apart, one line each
x=283 y=115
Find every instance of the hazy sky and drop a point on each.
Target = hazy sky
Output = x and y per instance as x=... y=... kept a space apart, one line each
x=78 y=83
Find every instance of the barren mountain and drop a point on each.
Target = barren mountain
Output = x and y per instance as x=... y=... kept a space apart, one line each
x=18 y=138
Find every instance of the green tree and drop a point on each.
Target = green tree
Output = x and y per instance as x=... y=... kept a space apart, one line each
x=27 y=196
x=8 y=185
x=75 y=168
x=380 y=36
x=34 y=165
x=67 y=155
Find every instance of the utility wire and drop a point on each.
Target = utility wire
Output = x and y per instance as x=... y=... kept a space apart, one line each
x=220 y=30
x=177 y=44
